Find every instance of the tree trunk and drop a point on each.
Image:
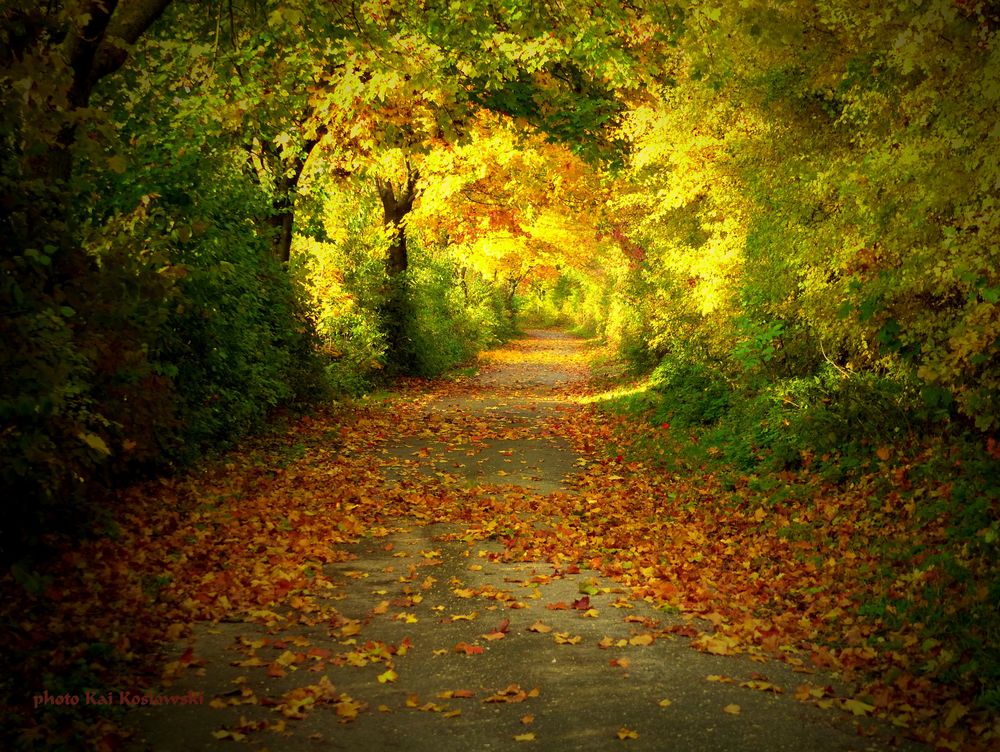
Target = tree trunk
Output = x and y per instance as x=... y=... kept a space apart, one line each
x=93 y=51
x=93 y=46
x=286 y=186
x=395 y=207
x=283 y=218
x=396 y=204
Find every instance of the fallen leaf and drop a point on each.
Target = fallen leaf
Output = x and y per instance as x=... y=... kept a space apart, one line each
x=236 y=736
x=456 y=693
x=955 y=712
x=564 y=638
x=857 y=707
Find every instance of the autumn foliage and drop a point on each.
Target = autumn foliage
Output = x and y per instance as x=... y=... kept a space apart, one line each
x=780 y=224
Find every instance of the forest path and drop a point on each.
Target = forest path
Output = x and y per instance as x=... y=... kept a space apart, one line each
x=444 y=628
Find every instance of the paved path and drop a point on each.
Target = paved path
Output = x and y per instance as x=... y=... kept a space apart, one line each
x=431 y=640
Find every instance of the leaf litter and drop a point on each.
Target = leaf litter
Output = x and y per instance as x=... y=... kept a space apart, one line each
x=254 y=537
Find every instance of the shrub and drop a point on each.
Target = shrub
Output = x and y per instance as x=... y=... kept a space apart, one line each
x=694 y=394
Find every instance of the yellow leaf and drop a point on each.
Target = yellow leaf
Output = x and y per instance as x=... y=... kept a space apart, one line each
x=627 y=733
x=956 y=711
x=665 y=703
x=717 y=644
x=347 y=708
x=236 y=736
x=286 y=659
x=762 y=686
x=643 y=639
x=806 y=692
x=94 y=442
x=732 y=709
x=857 y=707
x=563 y=638
x=387 y=676
x=528 y=737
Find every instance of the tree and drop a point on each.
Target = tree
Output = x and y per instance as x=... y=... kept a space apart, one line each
x=397 y=202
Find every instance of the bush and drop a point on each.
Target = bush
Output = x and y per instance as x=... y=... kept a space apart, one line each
x=171 y=330
x=694 y=394
x=831 y=413
x=441 y=329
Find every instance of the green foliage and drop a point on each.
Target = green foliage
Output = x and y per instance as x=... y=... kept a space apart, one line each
x=145 y=321
x=574 y=300
x=344 y=269
x=693 y=393
x=445 y=326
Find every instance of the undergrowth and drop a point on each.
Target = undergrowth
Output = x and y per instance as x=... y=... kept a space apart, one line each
x=796 y=443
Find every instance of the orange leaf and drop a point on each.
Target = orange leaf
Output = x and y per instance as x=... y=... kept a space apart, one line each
x=275 y=671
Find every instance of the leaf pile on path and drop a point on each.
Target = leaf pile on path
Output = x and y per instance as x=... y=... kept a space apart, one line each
x=785 y=576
